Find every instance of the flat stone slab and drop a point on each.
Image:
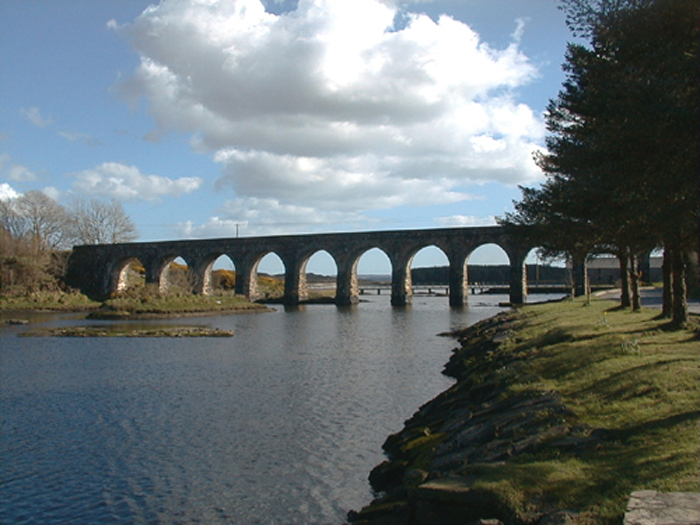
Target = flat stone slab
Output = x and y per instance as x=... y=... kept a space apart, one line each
x=648 y=507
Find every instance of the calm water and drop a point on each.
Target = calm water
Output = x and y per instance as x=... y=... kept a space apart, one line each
x=279 y=424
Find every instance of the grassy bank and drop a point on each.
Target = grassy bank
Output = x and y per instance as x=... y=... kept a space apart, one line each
x=47 y=301
x=140 y=302
x=145 y=304
x=622 y=372
x=627 y=419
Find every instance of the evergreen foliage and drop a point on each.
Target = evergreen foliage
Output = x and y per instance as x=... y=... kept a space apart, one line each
x=622 y=158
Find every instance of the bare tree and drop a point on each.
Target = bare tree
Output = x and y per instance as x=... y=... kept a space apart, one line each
x=36 y=219
x=98 y=222
x=13 y=224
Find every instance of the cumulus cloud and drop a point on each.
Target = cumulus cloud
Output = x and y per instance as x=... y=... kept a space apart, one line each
x=53 y=192
x=119 y=181
x=34 y=116
x=329 y=107
x=7 y=192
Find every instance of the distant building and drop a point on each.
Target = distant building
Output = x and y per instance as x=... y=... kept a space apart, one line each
x=606 y=270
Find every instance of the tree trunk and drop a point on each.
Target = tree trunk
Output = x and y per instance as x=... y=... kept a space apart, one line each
x=634 y=283
x=624 y=281
x=579 y=273
x=667 y=303
x=679 y=317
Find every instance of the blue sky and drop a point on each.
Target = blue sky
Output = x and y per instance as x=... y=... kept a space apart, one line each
x=204 y=118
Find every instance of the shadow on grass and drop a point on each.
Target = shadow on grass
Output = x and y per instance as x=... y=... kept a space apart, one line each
x=665 y=423
x=622 y=381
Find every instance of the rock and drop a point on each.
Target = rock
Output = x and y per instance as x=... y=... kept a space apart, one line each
x=414 y=477
x=648 y=507
x=387 y=475
x=16 y=321
x=477 y=424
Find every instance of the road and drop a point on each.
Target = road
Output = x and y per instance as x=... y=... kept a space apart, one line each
x=652 y=298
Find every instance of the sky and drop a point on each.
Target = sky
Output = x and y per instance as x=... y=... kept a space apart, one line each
x=220 y=118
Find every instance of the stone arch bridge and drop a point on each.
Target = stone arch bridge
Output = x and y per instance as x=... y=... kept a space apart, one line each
x=98 y=269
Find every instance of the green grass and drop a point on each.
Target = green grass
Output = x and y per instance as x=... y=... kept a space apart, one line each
x=621 y=371
x=53 y=301
x=136 y=301
x=150 y=302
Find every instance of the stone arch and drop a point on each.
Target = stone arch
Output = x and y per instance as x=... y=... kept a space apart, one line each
x=318 y=288
x=349 y=261
x=380 y=254
x=425 y=257
x=513 y=274
x=172 y=274
x=125 y=273
x=264 y=286
x=214 y=273
x=493 y=255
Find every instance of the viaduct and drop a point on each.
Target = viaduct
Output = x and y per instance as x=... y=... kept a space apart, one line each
x=99 y=270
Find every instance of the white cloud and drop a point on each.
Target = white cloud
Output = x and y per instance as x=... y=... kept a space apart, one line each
x=330 y=108
x=466 y=220
x=53 y=192
x=78 y=137
x=213 y=228
x=15 y=172
x=19 y=173
x=119 y=181
x=34 y=116
x=7 y=192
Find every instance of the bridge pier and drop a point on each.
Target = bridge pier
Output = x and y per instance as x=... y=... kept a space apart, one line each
x=518 y=278
x=458 y=280
x=247 y=277
x=401 y=289
x=200 y=276
x=156 y=273
x=346 y=292
x=294 y=282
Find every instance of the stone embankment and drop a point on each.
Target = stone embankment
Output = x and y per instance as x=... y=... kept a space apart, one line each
x=436 y=465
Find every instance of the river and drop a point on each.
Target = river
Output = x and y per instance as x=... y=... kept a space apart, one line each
x=279 y=424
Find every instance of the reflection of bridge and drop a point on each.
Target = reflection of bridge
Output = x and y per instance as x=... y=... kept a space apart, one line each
x=100 y=269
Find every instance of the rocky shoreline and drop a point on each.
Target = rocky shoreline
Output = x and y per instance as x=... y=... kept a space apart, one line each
x=437 y=464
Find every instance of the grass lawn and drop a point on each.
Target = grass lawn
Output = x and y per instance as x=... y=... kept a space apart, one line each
x=621 y=371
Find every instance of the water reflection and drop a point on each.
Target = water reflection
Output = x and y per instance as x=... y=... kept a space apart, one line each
x=279 y=424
